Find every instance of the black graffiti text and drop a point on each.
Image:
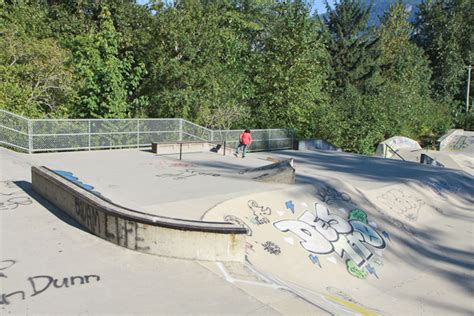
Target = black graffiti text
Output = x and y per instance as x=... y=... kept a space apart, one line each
x=42 y=283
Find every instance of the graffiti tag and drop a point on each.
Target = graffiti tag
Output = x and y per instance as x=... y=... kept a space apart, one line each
x=325 y=233
x=237 y=221
x=271 y=248
x=188 y=173
x=402 y=203
x=329 y=195
x=259 y=213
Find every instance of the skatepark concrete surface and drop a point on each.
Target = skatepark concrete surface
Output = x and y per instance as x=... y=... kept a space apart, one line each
x=355 y=235
x=457 y=153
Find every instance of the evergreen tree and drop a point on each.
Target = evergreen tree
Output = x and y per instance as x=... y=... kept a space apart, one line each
x=352 y=45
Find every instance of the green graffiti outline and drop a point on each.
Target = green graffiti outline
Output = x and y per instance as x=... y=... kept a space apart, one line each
x=358 y=214
x=354 y=270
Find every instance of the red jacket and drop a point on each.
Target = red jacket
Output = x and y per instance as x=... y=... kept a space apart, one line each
x=245 y=138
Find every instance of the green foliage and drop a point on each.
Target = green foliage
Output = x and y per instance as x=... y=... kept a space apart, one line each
x=36 y=79
x=353 y=122
x=108 y=79
x=352 y=45
x=198 y=61
x=445 y=30
x=405 y=96
x=290 y=71
x=242 y=63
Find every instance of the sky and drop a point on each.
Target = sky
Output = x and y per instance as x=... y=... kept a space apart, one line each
x=317 y=5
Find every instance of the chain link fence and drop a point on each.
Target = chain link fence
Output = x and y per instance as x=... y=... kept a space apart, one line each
x=46 y=135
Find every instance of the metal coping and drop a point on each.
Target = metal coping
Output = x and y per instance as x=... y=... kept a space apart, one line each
x=141 y=217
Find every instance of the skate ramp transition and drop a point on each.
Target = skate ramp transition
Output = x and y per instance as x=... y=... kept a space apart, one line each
x=172 y=237
x=401 y=248
x=280 y=172
x=389 y=147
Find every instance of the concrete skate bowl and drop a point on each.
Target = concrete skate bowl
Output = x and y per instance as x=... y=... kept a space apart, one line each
x=164 y=236
x=399 y=249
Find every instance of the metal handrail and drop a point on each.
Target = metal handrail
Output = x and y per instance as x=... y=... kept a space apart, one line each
x=396 y=153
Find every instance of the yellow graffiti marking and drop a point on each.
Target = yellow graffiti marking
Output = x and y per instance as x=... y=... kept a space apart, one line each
x=350 y=305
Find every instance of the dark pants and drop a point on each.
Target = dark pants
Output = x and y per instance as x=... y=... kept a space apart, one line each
x=237 y=149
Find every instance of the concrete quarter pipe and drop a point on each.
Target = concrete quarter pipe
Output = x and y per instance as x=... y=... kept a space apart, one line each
x=386 y=251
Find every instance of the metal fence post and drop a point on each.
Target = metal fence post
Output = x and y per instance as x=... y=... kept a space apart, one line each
x=212 y=135
x=268 y=139
x=293 y=138
x=89 y=132
x=30 y=136
x=180 y=130
x=138 y=133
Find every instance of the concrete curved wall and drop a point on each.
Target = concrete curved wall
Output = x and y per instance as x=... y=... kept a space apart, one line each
x=388 y=147
x=171 y=237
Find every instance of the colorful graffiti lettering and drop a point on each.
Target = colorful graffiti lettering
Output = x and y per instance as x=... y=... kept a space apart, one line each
x=326 y=233
x=354 y=270
x=386 y=235
x=315 y=260
x=372 y=270
x=289 y=205
x=358 y=214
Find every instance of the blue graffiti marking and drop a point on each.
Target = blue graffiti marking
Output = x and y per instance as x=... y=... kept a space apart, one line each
x=69 y=176
x=372 y=270
x=289 y=205
x=386 y=235
x=315 y=260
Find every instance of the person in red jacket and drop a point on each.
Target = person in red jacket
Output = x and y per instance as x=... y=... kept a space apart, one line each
x=244 y=141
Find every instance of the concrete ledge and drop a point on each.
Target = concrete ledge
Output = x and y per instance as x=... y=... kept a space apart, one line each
x=171 y=237
x=279 y=172
x=188 y=147
x=443 y=141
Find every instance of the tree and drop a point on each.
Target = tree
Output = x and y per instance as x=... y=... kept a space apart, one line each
x=290 y=71
x=352 y=121
x=35 y=77
x=197 y=61
x=405 y=95
x=109 y=79
x=352 y=45
x=445 y=30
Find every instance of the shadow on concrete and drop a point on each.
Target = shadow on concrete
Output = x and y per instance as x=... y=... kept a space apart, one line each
x=28 y=189
x=449 y=263
x=384 y=171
